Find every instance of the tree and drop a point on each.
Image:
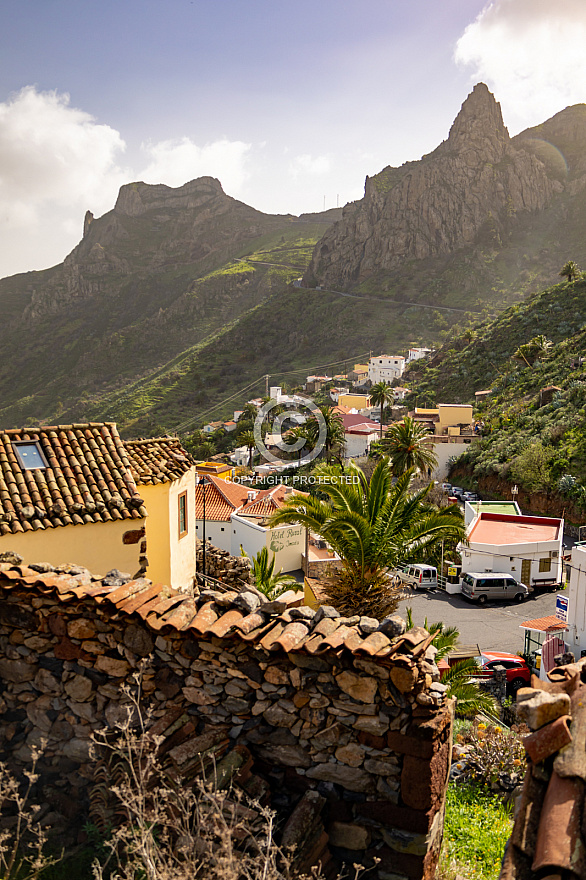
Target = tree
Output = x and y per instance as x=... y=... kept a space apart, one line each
x=534 y=350
x=373 y=527
x=570 y=270
x=248 y=439
x=405 y=444
x=301 y=432
x=249 y=413
x=381 y=395
x=334 y=430
x=268 y=582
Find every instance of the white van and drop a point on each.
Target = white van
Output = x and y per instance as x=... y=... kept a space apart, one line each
x=420 y=577
x=496 y=586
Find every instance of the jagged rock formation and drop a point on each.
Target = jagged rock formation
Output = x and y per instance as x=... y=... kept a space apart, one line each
x=477 y=179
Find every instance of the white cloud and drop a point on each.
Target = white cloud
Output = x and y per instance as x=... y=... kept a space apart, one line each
x=531 y=54
x=307 y=164
x=57 y=161
x=176 y=162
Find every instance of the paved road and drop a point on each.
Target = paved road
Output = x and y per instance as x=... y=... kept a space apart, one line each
x=495 y=625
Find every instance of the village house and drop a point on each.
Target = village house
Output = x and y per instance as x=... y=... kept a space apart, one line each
x=354 y=401
x=165 y=473
x=385 y=368
x=359 y=375
x=359 y=433
x=79 y=493
x=527 y=547
x=416 y=354
x=236 y=519
x=473 y=508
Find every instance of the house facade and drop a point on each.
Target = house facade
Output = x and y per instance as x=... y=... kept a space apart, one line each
x=527 y=547
x=80 y=494
x=385 y=368
x=165 y=474
x=576 y=611
x=236 y=519
x=68 y=495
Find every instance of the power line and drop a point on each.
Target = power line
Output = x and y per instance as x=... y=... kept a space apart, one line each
x=264 y=377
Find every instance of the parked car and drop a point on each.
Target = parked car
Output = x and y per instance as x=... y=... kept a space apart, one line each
x=518 y=673
x=447 y=487
x=470 y=496
x=457 y=492
x=497 y=586
x=420 y=577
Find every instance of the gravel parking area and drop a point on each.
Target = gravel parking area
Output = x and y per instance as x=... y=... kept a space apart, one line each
x=493 y=626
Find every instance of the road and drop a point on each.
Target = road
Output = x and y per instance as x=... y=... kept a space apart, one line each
x=494 y=626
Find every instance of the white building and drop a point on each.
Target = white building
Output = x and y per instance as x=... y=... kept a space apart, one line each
x=236 y=517
x=527 y=547
x=385 y=368
x=415 y=354
x=576 y=612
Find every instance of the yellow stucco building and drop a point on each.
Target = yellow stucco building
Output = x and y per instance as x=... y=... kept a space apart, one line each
x=77 y=494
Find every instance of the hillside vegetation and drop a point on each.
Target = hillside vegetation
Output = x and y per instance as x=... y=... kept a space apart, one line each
x=531 y=437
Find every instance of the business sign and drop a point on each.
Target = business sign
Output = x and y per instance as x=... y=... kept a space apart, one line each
x=561 y=608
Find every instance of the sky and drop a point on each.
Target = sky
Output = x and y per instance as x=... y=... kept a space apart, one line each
x=289 y=103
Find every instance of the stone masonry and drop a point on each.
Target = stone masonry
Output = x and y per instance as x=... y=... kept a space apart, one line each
x=347 y=712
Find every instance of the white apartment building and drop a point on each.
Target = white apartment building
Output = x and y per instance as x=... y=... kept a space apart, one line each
x=385 y=368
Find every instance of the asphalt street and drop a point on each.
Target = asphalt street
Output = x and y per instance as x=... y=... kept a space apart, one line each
x=492 y=626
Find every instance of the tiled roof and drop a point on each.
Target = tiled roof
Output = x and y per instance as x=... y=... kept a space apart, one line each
x=544 y=624
x=88 y=479
x=244 y=616
x=159 y=460
x=222 y=499
x=266 y=502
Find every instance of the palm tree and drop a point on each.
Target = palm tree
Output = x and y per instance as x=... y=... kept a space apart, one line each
x=268 y=582
x=381 y=395
x=300 y=432
x=570 y=270
x=248 y=439
x=405 y=444
x=373 y=527
x=249 y=413
x=534 y=350
x=334 y=427
x=470 y=699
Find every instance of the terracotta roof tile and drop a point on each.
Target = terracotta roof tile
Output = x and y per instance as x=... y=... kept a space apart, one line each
x=158 y=460
x=226 y=622
x=271 y=630
x=87 y=478
x=204 y=619
x=222 y=499
x=293 y=634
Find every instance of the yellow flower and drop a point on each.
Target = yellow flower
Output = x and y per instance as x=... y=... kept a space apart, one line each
x=498 y=730
x=482 y=726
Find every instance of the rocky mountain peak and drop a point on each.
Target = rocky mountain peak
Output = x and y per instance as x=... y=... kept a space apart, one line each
x=479 y=124
x=136 y=198
x=474 y=183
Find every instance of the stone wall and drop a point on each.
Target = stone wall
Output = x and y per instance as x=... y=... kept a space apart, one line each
x=233 y=571
x=348 y=708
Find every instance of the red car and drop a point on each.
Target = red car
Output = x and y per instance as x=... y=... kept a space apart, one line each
x=518 y=673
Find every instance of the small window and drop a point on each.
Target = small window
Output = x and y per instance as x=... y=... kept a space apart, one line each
x=545 y=564
x=221 y=528
x=30 y=456
x=183 y=514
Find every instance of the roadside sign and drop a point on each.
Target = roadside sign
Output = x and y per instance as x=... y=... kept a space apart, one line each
x=561 y=608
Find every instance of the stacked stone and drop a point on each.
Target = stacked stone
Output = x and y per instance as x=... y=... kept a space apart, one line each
x=549 y=835
x=350 y=708
x=233 y=571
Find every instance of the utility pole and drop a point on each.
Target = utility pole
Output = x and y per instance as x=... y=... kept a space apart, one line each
x=267 y=385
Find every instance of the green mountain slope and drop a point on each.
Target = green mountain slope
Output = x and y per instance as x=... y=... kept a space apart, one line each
x=534 y=418
x=178 y=299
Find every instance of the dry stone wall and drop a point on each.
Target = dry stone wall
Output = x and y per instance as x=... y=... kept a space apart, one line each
x=349 y=709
